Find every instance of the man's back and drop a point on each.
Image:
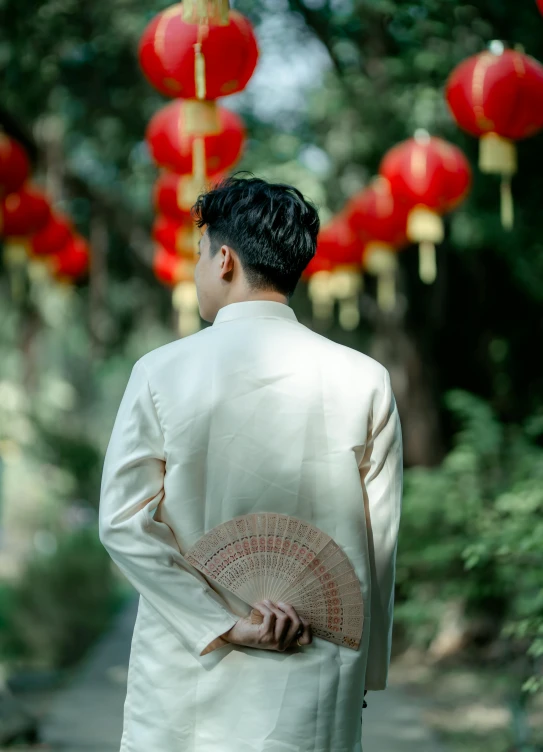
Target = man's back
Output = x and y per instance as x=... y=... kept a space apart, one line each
x=258 y=413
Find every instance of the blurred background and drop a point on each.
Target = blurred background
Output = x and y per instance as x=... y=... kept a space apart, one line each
x=450 y=301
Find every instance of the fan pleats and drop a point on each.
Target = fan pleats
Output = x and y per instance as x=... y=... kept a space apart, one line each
x=282 y=558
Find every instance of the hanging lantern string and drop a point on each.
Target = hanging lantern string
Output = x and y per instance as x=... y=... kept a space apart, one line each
x=199 y=173
x=214 y=12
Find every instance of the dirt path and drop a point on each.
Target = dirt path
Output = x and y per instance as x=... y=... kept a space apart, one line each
x=86 y=716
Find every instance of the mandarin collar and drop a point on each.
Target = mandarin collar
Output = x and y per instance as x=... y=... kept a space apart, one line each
x=255 y=308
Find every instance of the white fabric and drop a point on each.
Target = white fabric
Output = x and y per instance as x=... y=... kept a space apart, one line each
x=254 y=413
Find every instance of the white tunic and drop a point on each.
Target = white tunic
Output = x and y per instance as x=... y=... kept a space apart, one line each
x=254 y=413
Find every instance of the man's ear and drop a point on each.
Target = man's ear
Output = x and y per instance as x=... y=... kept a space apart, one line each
x=225 y=248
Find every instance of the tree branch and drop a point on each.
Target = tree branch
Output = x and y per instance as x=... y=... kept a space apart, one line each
x=321 y=29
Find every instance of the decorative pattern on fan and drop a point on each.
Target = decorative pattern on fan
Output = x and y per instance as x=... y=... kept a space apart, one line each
x=281 y=558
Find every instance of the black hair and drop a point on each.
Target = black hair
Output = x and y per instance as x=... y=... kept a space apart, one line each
x=271 y=226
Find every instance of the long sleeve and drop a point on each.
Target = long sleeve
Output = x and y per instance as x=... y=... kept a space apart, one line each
x=381 y=474
x=144 y=548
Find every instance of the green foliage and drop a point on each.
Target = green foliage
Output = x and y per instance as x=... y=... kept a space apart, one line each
x=473 y=527
x=61 y=604
x=78 y=456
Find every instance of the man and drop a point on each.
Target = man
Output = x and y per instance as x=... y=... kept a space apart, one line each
x=254 y=413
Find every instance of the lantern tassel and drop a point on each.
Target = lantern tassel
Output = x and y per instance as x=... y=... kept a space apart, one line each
x=200 y=71
x=386 y=292
x=425 y=226
x=349 y=314
x=185 y=301
x=345 y=284
x=180 y=195
x=199 y=159
x=507 y=210
x=380 y=260
x=15 y=257
x=320 y=294
x=427 y=262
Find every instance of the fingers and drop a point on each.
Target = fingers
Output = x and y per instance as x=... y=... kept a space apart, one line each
x=296 y=625
x=304 y=634
x=268 y=625
x=307 y=636
x=274 y=627
x=282 y=626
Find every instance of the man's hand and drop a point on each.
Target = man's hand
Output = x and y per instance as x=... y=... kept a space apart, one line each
x=279 y=631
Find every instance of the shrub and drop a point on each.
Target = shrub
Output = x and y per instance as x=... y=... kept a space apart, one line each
x=61 y=603
x=472 y=528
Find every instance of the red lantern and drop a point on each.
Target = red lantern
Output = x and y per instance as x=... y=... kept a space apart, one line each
x=50 y=238
x=24 y=212
x=497 y=96
x=375 y=214
x=184 y=60
x=317 y=264
x=174 y=195
x=170 y=268
x=380 y=222
x=431 y=177
x=178 y=237
x=14 y=165
x=184 y=152
x=71 y=261
x=540 y=6
x=165 y=265
x=177 y=272
x=338 y=243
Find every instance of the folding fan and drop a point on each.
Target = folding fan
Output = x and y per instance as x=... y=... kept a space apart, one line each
x=281 y=558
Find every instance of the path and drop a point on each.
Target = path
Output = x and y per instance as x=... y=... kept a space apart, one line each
x=87 y=715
